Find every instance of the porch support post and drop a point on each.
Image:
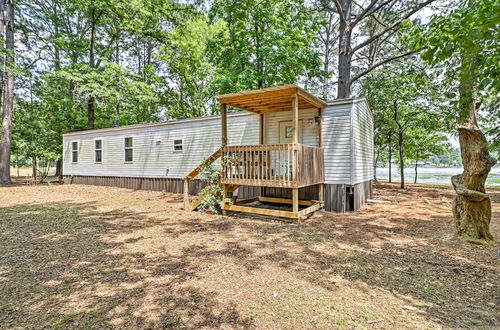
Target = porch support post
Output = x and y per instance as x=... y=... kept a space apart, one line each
x=261 y=141
x=224 y=196
x=223 y=116
x=295 y=140
x=186 y=194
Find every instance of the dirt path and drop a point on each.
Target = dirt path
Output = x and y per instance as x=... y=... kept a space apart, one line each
x=83 y=256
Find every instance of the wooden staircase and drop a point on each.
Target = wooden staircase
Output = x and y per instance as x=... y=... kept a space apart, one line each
x=193 y=174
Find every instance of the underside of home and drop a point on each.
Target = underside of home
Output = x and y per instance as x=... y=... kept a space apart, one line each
x=284 y=165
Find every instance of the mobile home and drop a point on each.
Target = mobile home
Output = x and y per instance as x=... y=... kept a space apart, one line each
x=285 y=145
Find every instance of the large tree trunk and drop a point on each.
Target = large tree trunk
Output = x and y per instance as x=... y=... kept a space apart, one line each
x=471 y=205
x=91 y=98
x=8 y=101
x=345 y=50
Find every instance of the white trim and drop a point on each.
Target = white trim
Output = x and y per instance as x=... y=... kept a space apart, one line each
x=95 y=149
x=125 y=148
x=77 y=151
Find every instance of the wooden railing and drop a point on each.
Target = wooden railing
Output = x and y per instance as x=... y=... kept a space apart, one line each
x=273 y=165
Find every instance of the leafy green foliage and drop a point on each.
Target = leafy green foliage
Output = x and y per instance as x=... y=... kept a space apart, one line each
x=264 y=43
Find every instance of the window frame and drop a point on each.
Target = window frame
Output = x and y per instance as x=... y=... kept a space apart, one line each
x=96 y=150
x=125 y=148
x=74 y=152
x=176 y=145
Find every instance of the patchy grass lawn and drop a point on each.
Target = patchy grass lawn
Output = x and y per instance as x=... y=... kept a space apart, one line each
x=97 y=257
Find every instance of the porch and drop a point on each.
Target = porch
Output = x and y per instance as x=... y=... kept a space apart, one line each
x=288 y=164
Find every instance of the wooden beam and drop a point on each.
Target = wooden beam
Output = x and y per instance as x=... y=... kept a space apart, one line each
x=295 y=200
x=310 y=209
x=284 y=201
x=256 y=96
x=314 y=101
x=224 y=196
x=255 y=210
x=246 y=201
x=295 y=119
x=186 y=194
x=223 y=115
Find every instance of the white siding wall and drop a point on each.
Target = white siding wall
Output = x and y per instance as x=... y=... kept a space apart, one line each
x=152 y=159
x=362 y=142
x=347 y=139
x=309 y=128
x=337 y=143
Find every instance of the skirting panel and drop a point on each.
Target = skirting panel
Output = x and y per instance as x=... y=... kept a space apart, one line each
x=335 y=198
x=362 y=192
x=347 y=198
x=175 y=186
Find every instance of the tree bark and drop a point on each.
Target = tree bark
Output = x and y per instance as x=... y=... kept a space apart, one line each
x=390 y=158
x=8 y=101
x=91 y=98
x=345 y=49
x=58 y=168
x=471 y=205
x=416 y=166
x=400 y=145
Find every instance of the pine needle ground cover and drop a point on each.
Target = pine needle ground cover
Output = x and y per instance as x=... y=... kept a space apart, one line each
x=76 y=256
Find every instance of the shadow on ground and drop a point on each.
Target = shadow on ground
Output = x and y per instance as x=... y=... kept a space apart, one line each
x=69 y=264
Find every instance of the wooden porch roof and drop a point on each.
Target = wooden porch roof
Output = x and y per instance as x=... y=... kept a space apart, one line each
x=272 y=99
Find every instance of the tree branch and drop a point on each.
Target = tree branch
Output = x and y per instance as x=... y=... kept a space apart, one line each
x=373 y=67
x=392 y=26
x=369 y=11
x=339 y=10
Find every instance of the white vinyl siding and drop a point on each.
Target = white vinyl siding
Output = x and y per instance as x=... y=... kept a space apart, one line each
x=347 y=131
x=153 y=147
x=337 y=143
x=362 y=142
x=310 y=129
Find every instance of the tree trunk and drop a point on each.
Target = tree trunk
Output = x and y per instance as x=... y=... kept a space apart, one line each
x=8 y=101
x=390 y=158
x=375 y=161
x=416 y=165
x=59 y=168
x=33 y=168
x=91 y=99
x=90 y=112
x=401 y=158
x=345 y=51
x=471 y=205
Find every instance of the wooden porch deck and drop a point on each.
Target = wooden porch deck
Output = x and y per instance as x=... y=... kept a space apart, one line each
x=290 y=165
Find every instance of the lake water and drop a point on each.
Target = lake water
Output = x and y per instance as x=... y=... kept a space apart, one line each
x=434 y=174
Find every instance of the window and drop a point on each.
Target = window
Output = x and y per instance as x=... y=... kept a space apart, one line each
x=98 y=151
x=289 y=132
x=129 y=149
x=177 y=145
x=74 y=152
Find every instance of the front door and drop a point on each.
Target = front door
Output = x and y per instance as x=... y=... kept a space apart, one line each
x=286 y=132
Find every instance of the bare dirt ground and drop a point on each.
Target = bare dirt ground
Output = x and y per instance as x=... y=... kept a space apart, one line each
x=78 y=256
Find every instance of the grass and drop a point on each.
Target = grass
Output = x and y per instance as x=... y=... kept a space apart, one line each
x=100 y=257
